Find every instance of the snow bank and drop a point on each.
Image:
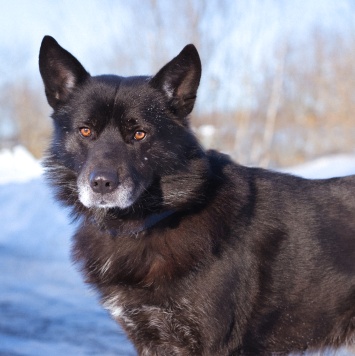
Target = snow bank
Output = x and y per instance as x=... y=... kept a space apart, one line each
x=45 y=308
x=325 y=167
x=17 y=165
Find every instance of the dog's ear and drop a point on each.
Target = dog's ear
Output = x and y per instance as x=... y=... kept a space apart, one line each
x=179 y=80
x=61 y=72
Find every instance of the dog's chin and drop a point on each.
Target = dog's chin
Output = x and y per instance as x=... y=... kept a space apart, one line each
x=108 y=205
x=120 y=198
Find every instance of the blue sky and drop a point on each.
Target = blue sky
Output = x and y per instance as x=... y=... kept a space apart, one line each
x=79 y=25
x=87 y=27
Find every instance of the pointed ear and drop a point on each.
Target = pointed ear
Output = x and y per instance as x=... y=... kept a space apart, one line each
x=179 y=80
x=61 y=72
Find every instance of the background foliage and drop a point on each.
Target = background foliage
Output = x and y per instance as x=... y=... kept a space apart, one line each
x=274 y=92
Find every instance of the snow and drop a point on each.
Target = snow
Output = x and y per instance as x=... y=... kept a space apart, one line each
x=45 y=308
x=18 y=165
x=325 y=167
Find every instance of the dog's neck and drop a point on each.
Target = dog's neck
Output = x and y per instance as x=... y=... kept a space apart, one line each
x=132 y=227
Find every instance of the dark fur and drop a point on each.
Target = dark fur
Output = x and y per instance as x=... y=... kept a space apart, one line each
x=194 y=254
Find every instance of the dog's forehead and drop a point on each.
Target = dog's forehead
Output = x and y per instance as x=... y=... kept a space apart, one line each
x=134 y=93
x=124 y=89
x=127 y=91
x=119 y=98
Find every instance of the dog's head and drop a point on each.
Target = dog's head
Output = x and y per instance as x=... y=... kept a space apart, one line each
x=122 y=141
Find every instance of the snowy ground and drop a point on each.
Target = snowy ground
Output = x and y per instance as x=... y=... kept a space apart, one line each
x=45 y=309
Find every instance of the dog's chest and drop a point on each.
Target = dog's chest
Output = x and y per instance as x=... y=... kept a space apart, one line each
x=172 y=326
x=138 y=317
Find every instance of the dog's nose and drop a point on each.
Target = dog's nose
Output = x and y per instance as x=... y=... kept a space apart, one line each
x=103 y=182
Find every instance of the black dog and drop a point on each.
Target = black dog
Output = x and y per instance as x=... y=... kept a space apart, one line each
x=191 y=253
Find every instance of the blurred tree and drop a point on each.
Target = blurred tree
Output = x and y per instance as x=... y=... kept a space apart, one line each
x=271 y=105
x=31 y=117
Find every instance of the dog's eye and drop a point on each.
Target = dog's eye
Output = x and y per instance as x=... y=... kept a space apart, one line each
x=139 y=135
x=85 y=132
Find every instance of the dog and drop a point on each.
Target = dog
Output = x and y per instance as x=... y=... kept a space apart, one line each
x=191 y=253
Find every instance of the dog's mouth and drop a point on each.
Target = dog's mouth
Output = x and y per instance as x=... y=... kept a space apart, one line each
x=103 y=204
x=105 y=189
x=121 y=197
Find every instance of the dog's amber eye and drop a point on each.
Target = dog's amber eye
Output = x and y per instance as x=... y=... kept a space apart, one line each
x=85 y=131
x=139 y=135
